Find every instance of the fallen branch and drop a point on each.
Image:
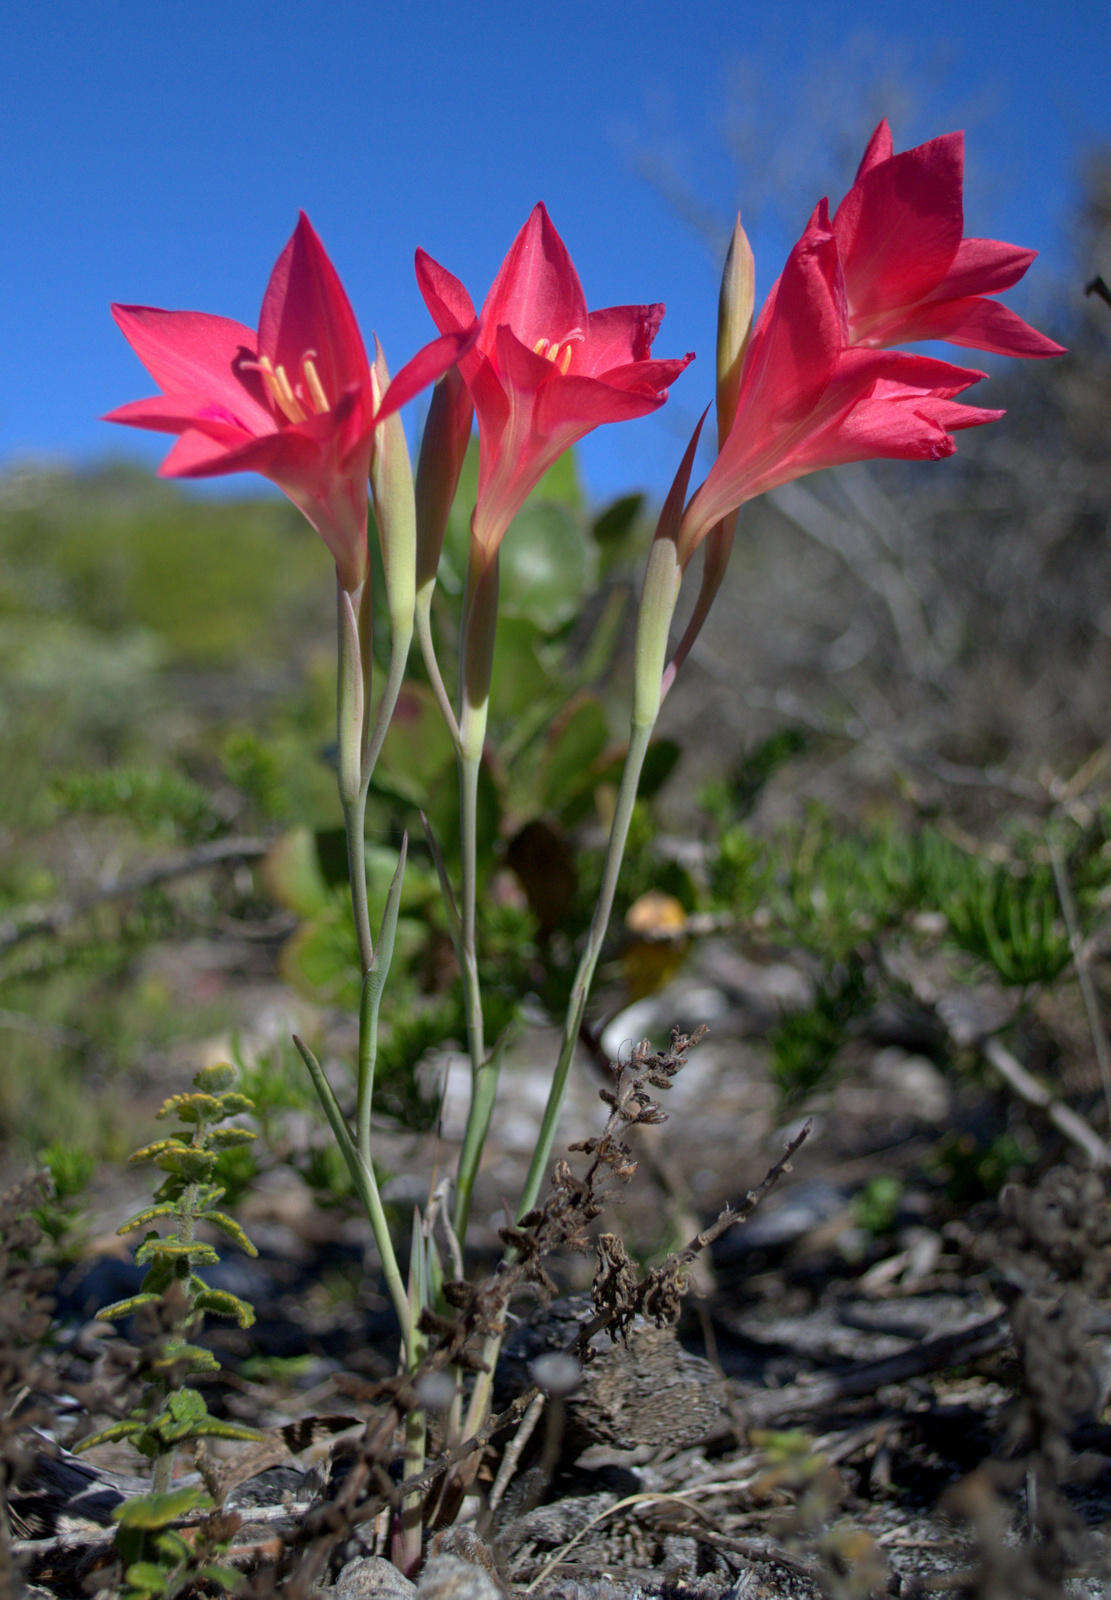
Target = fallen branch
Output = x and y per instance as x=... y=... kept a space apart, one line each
x=1069 y=1123
x=930 y=1355
x=34 y=920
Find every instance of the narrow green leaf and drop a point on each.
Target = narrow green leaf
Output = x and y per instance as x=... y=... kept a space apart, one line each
x=159 y=1510
x=175 y=1250
x=126 y=1308
x=223 y=1304
x=115 y=1430
x=167 y=1209
x=228 y=1225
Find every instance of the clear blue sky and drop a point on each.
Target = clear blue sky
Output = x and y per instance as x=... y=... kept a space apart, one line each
x=158 y=153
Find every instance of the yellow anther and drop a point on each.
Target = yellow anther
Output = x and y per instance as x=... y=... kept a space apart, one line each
x=558 y=355
x=279 y=391
x=313 y=383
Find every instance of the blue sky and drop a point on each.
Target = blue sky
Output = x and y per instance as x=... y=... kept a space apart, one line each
x=159 y=152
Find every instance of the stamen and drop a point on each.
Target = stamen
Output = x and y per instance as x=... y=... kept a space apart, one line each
x=558 y=354
x=313 y=383
x=279 y=390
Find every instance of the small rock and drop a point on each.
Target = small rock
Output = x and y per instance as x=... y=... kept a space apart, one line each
x=449 y=1578
x=373 y=1578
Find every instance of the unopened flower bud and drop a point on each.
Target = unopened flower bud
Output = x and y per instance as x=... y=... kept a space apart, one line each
x=735 y=303
x=391 y=482
x=443 y=446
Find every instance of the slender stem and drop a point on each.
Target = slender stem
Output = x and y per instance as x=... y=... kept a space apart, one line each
x=354 y=821
x=484 y=1075
x=368 y=1051
x=395 y=677
x=476 y=655
x=619 y=832
x=662 y=578
x=431 y=663
x=366 y=1185
x=639 y=739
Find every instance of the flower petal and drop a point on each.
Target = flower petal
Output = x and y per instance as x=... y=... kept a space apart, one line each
x=617 y=336
x=537 y=291
x=424 y=368
x=978 y=323
x=305 y=312
x=984 y=266
x=880 y=147
x=900 y=225
x=190 y=352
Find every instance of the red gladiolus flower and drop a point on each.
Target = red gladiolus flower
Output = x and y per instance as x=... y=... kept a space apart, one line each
x=295 y=401
x=808 y=399
x=909 y=272
x=543 y=371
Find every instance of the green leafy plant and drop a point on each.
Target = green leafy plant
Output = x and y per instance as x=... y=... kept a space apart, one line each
x=174 y=1296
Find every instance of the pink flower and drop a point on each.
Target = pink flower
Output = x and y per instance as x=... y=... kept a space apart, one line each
x=909 y=272
x=295 y=401
x=809 y=399
x=543 y=371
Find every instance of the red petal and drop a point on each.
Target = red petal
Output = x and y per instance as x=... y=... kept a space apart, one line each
x=450 y=305
x=984 y=266
x=654 y=376
x=192 y=353
x=306 y=311
x=980 y=324
x=519 y=366
x=881 y=147
x=424 y=368
x=537 y=291
x=799 y=335
x=900 y=225
x=198 y=455
x=585 y=403
x=617 y=336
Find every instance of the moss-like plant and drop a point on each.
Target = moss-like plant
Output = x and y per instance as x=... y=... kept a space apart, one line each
x=172 y=1412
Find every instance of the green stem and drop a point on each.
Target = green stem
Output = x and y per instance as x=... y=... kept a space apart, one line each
x=431 y=663
x=401 y=639
x=619 y=832
x=366 y=1186
x=657 y=606
x=354 y=822
x=475 y=666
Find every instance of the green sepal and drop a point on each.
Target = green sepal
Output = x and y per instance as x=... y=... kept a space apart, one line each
x=115 y=1430
x=166 y=1209
x=126 y=1308
x=159 y=1510
x=228 y=1225
x=175 y=1250
x=224 y=1304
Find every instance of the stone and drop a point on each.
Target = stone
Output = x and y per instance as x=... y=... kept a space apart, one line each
x=372 y=1578
x=449 y=1578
